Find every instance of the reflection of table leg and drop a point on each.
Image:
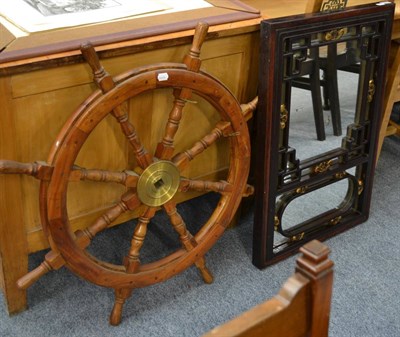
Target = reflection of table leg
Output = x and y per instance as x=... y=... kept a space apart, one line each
x=392 y=93
x=13 y=241
x=333 y=89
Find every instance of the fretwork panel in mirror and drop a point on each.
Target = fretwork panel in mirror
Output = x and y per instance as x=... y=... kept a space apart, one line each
x=308 y=188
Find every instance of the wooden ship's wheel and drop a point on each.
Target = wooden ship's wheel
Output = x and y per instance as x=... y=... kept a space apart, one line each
x=151 y=186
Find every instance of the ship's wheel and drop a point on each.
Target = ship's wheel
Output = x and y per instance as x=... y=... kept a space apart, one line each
x=152 y=185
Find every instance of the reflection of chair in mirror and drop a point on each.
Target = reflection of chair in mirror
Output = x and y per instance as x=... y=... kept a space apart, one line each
x=343 y=56
x=300 y=309
x=310 y=67
x=329 y=60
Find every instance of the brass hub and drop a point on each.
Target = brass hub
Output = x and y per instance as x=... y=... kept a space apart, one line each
x=158 y=183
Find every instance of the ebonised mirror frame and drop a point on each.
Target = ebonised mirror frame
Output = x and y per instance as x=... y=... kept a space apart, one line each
x=281 y=177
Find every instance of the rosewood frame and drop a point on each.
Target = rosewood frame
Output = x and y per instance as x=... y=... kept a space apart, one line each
x=278 y=172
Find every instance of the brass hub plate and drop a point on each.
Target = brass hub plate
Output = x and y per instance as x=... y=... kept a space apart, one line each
x=158 y=183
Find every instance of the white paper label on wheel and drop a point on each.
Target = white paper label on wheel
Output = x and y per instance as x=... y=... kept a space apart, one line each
x=162 y=77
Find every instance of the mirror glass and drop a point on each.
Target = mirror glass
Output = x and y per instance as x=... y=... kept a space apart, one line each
x=333 y=102
x=321 y=85
x=303 y=134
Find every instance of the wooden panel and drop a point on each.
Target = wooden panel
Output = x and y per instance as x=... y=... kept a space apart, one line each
x=105 y=149
x=73 y=75
x=13 y=243
x=285 y=315
x=391 y=92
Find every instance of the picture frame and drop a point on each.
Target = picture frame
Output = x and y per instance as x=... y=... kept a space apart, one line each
x=39 y=15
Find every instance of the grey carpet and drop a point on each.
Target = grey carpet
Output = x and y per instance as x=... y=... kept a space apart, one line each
x=365 y=297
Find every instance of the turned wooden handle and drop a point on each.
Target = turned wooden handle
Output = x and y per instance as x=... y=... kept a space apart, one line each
x=53 y=261
x=200 y=34
x=15 y=167
x=27 y=280
x=248 y=108
x=102 y=78
x=39 y=170
x=91 y=57
x=192 y=59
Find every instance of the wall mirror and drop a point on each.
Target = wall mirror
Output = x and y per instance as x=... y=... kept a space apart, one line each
x=320 y=99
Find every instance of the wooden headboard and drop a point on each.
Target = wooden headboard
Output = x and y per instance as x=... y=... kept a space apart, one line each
x=300 y=309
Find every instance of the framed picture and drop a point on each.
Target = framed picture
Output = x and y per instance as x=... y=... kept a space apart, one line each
x=39 y=15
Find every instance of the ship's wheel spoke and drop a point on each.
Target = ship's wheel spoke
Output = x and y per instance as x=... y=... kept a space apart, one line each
x=192 y=61
x=53 y=259
x=129 y=201
x=106 y=83
x=132 y=261
x=165 y=148
x=186 y=238
x=143 y=158
x=222 y=187
x=126 y=178
x=182 y=159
